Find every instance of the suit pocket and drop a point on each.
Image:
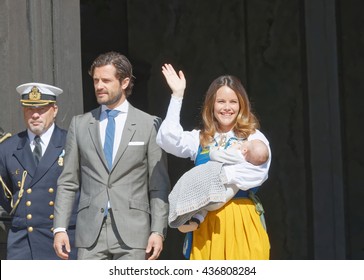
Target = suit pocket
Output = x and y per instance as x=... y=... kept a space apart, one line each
x=139 y=205
x=84 y=203
x=135 y=154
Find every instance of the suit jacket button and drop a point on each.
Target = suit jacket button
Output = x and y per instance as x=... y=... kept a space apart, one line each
x=50 y=190
x=29 y=216
x=29 y=190
x=51 y=216
x=52 y=229
x=51 y=203
x=30 y=229
x=28 y=203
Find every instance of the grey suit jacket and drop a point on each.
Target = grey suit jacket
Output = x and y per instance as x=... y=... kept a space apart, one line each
x=137 y=185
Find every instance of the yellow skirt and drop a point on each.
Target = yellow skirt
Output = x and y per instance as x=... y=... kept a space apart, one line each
x=233 y=232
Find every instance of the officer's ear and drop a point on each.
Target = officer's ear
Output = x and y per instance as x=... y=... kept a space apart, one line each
x=55 y=108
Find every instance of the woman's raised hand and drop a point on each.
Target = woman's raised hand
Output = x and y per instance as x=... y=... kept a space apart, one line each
x=177 y=83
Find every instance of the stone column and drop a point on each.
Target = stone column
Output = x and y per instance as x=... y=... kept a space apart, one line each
x=325 y=130
x=40 y=42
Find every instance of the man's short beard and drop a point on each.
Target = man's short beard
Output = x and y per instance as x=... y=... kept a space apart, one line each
x=112 y=101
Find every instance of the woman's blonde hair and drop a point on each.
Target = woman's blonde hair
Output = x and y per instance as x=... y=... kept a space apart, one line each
x=245 y=123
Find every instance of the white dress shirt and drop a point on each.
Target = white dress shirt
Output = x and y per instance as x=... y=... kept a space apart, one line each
x=120 y=120
x=45 y=138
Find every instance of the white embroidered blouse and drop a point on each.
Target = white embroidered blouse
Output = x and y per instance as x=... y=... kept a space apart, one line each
x=185 y=144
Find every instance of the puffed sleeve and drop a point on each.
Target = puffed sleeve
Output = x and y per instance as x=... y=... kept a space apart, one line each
x=171 y=136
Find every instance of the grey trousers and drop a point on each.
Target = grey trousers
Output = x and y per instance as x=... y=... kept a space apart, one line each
x=109 y=245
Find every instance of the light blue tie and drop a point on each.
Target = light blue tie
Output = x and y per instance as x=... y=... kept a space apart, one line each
x=109 y=136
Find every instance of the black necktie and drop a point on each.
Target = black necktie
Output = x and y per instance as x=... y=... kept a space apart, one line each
x=37 y=152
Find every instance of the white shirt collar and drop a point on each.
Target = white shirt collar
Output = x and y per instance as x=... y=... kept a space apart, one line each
x=123 y=107
x=228 y=134
x=45 y=137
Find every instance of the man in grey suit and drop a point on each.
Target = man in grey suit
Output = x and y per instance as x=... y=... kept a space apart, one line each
x=113 y=159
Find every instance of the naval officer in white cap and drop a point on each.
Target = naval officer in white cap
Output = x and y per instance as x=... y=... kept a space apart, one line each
x=30 y=164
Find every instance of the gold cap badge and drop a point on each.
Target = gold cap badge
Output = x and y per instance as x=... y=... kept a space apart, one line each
x=34 y=94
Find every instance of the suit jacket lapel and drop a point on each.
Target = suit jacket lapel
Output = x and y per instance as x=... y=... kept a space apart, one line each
x=128 y=132
x=94 y=130
x=24 y=154
x=51 y=155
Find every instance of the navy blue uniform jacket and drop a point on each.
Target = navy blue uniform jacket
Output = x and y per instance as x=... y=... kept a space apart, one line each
x=31 y=232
